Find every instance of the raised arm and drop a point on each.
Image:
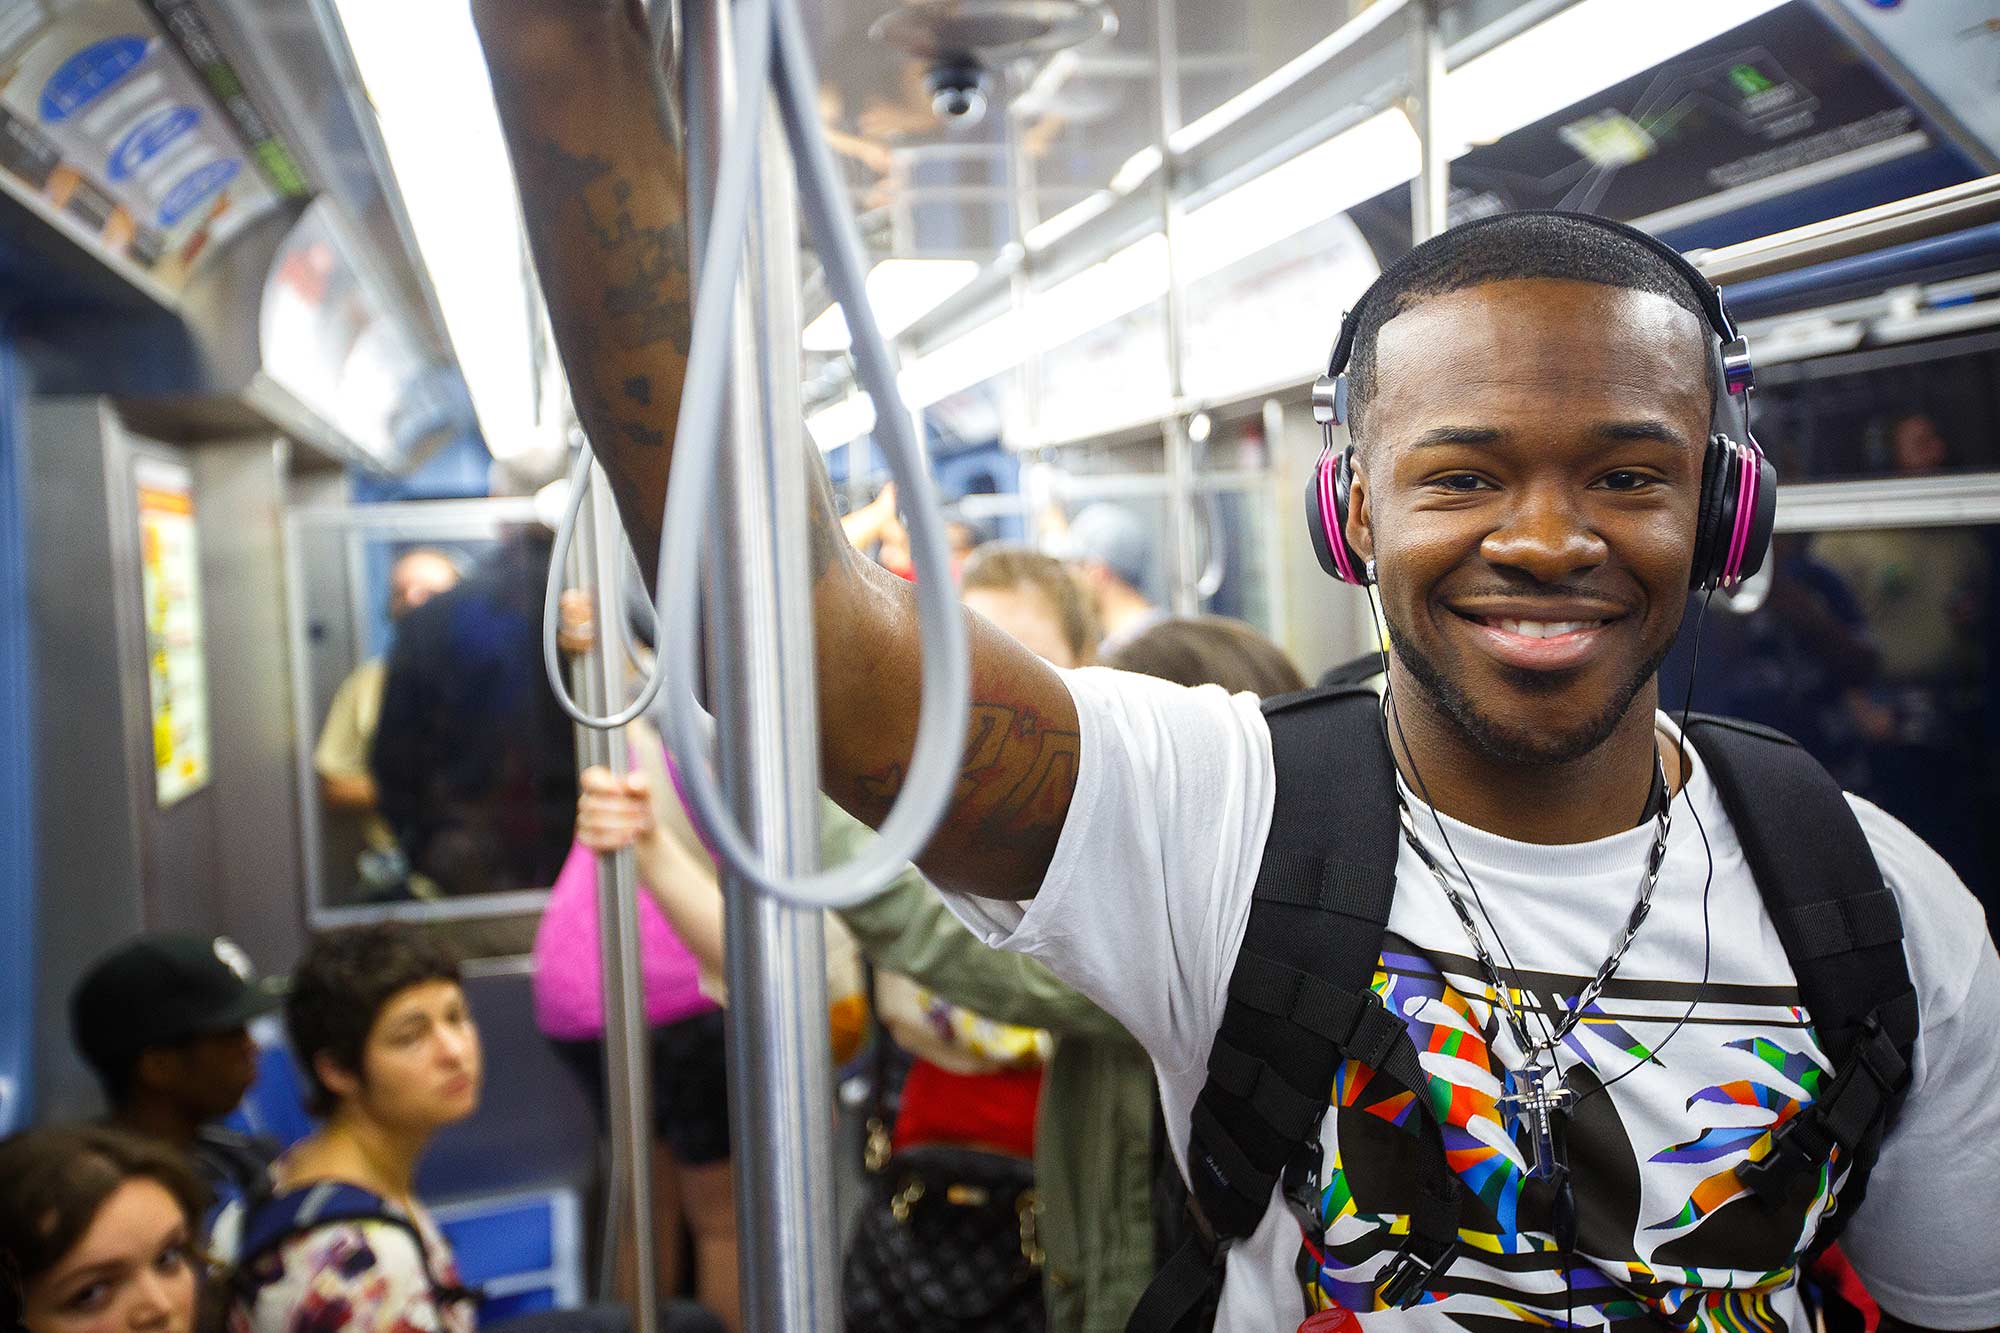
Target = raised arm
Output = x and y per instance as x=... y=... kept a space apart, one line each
x=603 y=191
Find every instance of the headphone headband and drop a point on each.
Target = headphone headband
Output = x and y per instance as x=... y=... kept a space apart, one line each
x=1737 y=375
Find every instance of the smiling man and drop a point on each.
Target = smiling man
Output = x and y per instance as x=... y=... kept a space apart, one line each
x=1580 y=1034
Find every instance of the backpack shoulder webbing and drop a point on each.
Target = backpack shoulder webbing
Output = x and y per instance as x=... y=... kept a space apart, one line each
x=1300 y=1003
x=1843 y=935
x=280 y=1218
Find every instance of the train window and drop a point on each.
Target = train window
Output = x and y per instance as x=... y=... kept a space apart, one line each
x=437 y=776
x=1871 y=647
x=1885 y=411
x=1238 y=538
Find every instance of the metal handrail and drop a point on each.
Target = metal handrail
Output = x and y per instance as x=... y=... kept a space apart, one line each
x=1917 y=218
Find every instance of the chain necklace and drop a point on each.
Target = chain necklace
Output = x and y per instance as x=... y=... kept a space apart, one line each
x=1536 y=1097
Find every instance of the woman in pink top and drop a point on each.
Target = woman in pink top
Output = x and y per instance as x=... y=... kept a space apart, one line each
x=692 y=1184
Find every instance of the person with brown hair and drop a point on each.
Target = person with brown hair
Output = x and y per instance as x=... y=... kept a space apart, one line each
x=97 y=1226
x=380 y=1026
x=1202 y=650
x=1035 y=598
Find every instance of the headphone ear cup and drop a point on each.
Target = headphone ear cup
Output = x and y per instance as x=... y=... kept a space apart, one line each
x=1359 y=572
x=1763 y=518
x=1316 y=527
x=1716 y=482
x=1326 y=516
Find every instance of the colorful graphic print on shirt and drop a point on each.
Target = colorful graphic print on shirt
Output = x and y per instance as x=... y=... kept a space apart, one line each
x=1665 y=1230
x=355 y=1277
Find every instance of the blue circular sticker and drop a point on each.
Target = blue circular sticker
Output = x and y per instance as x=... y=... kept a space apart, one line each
x=197 y=188
x=148 y=139
x=85 y=75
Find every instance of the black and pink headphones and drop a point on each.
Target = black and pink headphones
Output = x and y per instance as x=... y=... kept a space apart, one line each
x=1739 y=486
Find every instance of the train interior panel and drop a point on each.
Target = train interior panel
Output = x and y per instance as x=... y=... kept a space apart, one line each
x=470 y=578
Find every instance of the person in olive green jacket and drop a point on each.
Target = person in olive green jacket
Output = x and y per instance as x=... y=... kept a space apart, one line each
x=1094 y=1145
x=1095 y=1148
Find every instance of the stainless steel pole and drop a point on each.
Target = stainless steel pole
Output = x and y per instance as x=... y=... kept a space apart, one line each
x=1183 y=590
x=600 y=686
x=1430 y=192
x=760 y=633
x=1025 y=421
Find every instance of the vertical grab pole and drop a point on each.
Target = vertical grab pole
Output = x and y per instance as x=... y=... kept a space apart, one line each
x=760 y=669
x=1182 y=590
x=1430 y=192
x=600 y=685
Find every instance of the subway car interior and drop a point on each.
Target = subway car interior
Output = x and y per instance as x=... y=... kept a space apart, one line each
x=474 y=472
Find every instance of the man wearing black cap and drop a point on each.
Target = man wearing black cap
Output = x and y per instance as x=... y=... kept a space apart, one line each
x=164 y=1022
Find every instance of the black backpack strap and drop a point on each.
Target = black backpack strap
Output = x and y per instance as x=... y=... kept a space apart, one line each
x=1299 y=1004
x=1843 y=934
x=280 y=1218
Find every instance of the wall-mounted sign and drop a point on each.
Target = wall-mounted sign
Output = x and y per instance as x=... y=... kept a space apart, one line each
x=1778 y=122
x=176 y=658
x=104 y=117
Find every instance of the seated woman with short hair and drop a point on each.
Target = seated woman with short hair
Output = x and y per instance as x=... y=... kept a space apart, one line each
x=379 y=1023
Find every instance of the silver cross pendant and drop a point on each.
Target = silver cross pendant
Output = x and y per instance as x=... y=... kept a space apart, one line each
x=1535 y=1104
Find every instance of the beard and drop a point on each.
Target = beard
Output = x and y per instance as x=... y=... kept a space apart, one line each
x=1523 y=746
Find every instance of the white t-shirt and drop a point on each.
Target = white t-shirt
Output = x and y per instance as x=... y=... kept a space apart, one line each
x=1144 y=910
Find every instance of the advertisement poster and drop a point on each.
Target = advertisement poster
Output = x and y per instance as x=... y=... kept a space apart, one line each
x=107 y=120
x=176 y=664
x=1756 y=115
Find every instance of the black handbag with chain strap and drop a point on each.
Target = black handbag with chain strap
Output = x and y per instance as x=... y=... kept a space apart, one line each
x=947 y=1238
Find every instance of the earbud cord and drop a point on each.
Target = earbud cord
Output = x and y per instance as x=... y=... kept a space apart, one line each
x=1423 y=790
x=1708 y=879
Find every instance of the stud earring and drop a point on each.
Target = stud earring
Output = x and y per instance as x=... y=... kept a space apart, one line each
x=1370 y=567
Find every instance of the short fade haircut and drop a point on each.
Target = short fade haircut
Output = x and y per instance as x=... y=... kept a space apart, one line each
x=1005 y=566
x=341 y=987
x=57 y=1179
x=1506 y=249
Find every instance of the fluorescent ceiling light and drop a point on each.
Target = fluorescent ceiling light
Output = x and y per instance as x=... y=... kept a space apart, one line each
x=1136 y=169
x=902 y=291
x=424 y=74
x=1354 y=165
x=1050 y=230
x=1583 y=50
x=1577 y=53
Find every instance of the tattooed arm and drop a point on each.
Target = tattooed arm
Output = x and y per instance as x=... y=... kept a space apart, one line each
x=603 y=191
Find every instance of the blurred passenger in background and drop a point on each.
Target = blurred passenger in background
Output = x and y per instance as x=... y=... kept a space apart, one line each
x=962 y=537
x=341 y=757
x=1110 y=547
x=1211 y=650
x=693 y=1185
x=1926 y=597
x=97 y=1233
x=474 y=764
x=380 y=1027
x=164 y=1023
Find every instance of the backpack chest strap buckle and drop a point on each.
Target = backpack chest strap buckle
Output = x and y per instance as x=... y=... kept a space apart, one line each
x=1414 y=1271
x=1874 y=1073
